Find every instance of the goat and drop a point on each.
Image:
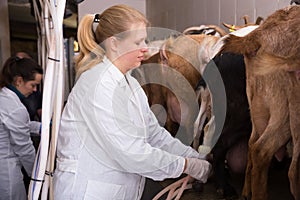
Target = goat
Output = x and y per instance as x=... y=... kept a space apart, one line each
x=272 y=61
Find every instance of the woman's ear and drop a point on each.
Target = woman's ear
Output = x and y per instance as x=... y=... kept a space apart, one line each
x=113 y=43
x=18 y=81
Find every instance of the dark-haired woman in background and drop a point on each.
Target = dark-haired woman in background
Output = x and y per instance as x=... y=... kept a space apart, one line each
x=33 y=102
x=18 y=79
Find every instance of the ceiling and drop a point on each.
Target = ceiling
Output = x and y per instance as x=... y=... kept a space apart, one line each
x=23 y=23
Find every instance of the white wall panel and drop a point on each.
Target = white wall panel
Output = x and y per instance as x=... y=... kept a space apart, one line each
x=92 y=6
x=245 y=8
x=283 y=3
x=264 y=7
x=180 y=14
x=213 y=12
x=184 y=18
x=184 y=13
x=228 y=12
x=199 y=12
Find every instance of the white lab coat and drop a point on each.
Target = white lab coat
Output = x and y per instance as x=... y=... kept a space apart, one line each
x=16 y=148
x=109 y=140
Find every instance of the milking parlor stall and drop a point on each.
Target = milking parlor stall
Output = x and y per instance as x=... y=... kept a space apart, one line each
x=222 y=76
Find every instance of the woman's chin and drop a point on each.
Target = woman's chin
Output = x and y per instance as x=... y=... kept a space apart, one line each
x=137 y=65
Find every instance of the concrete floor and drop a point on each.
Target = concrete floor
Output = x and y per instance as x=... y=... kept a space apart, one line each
x=278 y=188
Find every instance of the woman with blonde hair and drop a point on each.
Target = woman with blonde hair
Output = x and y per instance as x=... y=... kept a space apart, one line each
x=109 y=140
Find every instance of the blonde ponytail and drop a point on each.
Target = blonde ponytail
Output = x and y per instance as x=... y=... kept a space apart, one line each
x=91 y=53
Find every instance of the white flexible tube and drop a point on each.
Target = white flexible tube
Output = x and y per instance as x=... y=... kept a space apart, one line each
x=52 y=97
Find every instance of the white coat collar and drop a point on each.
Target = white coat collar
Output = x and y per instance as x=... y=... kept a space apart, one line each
x=124 y=81
x=10 y=93
x=116 y=73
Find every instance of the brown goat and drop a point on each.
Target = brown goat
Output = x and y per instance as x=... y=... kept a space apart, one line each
x=182 y=55
x=169 y=79
x=272 y=58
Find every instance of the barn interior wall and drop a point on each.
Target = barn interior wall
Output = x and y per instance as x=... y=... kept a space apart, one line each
x=178 y=14
x=4 y=32
x=89 y=6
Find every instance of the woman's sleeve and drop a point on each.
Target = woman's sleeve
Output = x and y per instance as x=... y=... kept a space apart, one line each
x=19 y=129
x=35 y=127
x=159 y=137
